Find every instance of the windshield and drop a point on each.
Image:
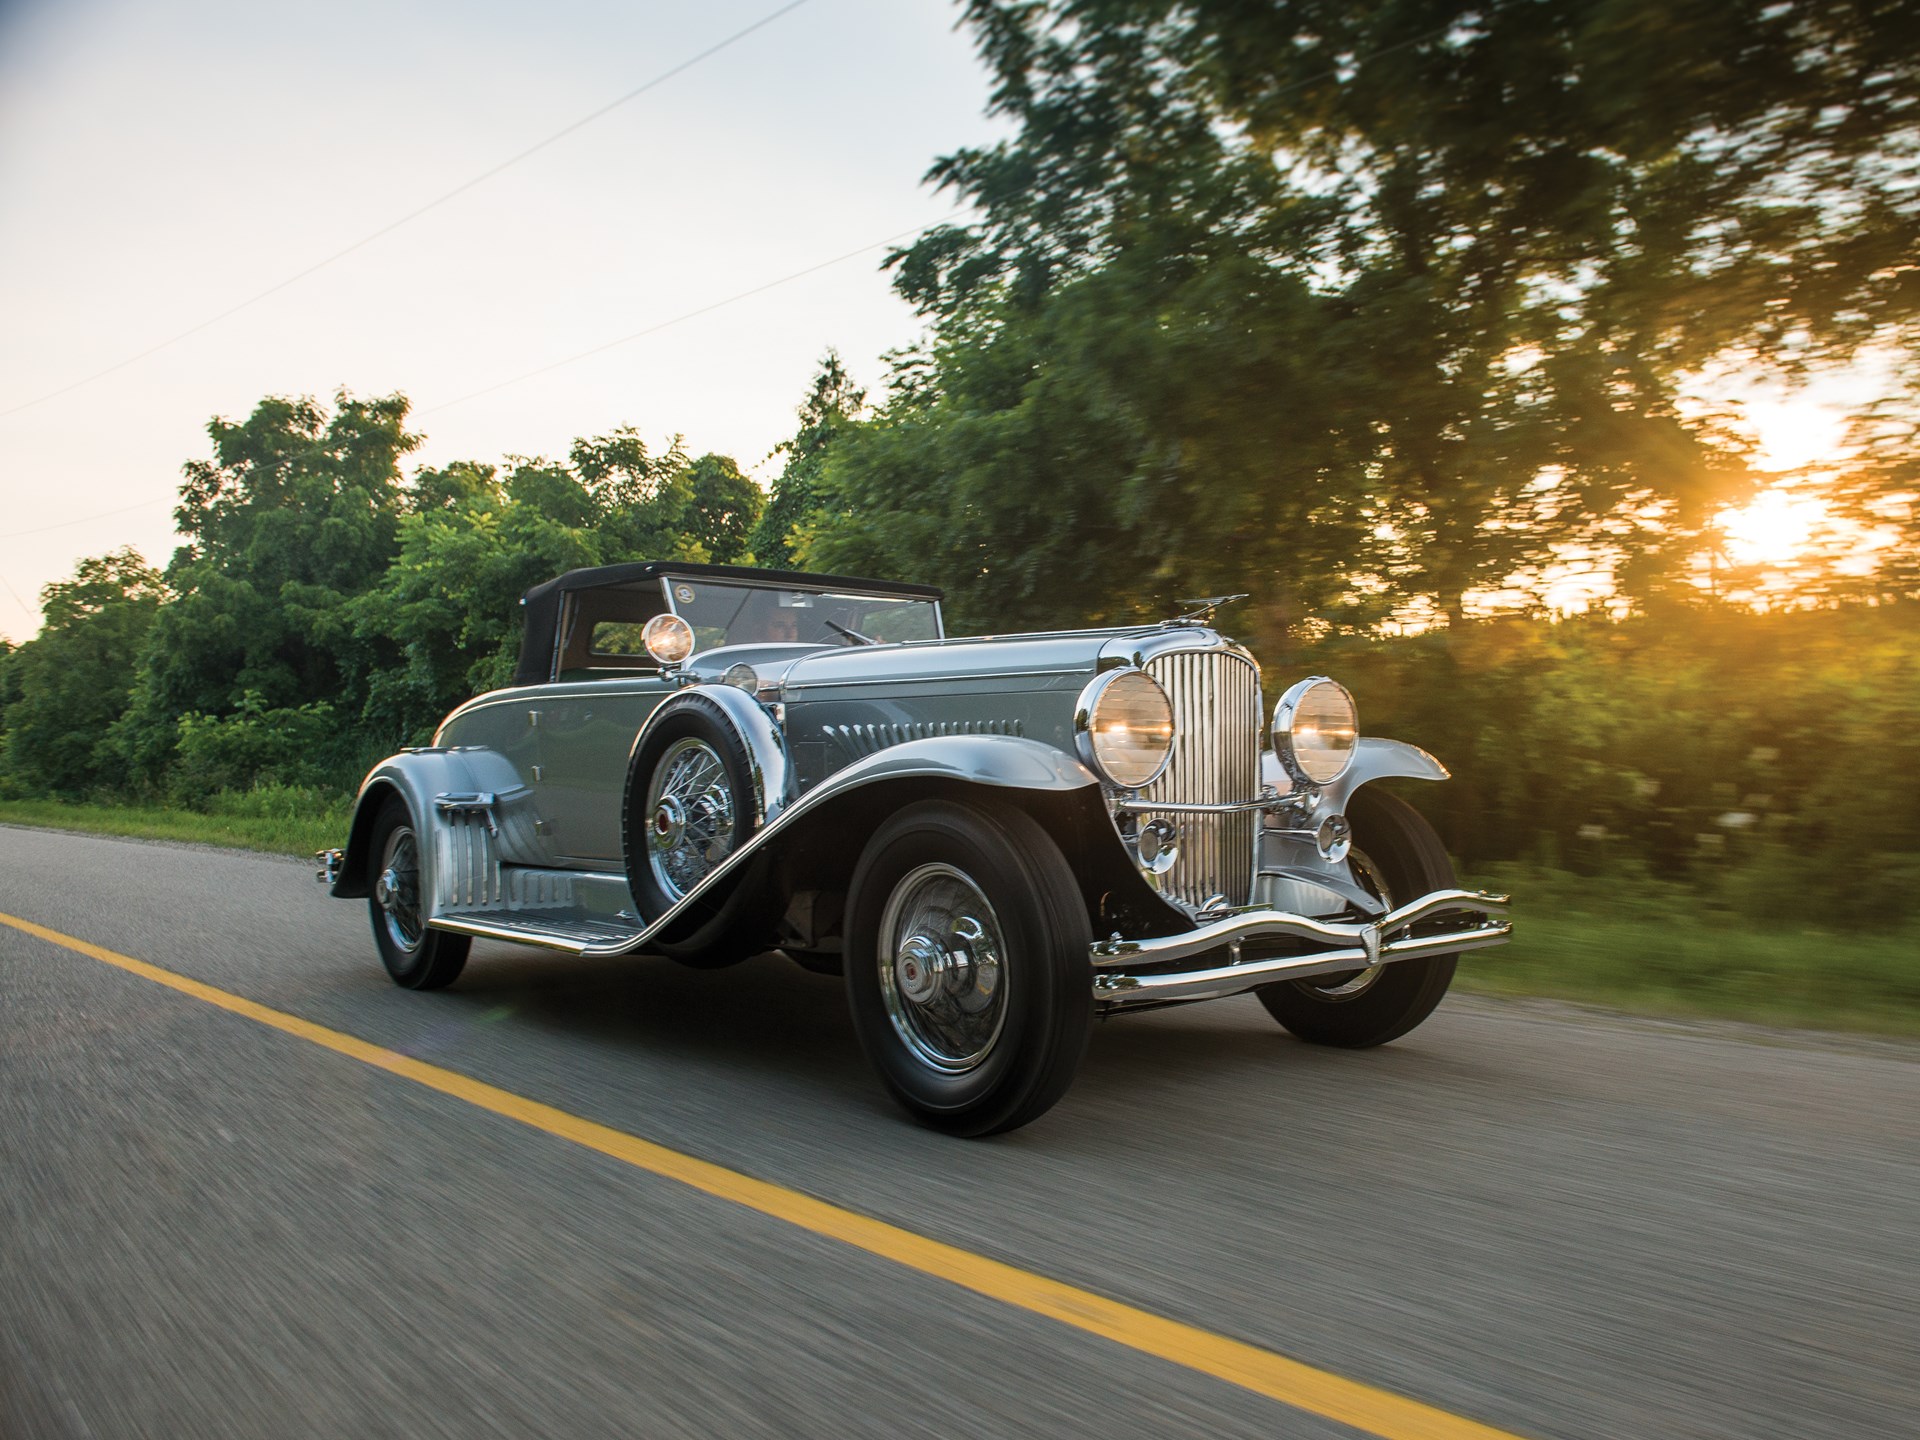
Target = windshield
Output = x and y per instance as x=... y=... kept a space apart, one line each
x=729 y=613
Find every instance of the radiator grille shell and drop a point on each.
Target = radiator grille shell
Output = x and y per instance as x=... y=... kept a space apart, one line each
x=1216 y=758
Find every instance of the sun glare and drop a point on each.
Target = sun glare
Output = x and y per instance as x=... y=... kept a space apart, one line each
x=1773 y=529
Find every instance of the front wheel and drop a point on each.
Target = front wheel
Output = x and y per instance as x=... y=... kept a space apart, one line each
x=1397 y=856
x=417 y=958
x=967 y=965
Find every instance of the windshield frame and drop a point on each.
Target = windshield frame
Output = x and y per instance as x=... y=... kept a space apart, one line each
x=787 y=587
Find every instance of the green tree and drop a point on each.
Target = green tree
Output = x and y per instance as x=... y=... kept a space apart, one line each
x=445 y=618
x=296 y=514
x=1520 y=227
x=833 y=403
x=67 y=686
x=724 y=508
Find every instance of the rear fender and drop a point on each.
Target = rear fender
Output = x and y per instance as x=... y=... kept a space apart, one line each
x=436 y=783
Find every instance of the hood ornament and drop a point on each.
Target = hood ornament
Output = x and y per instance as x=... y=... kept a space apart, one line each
x=1202 y=612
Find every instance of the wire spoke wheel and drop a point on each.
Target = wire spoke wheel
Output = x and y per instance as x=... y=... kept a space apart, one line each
x=396 y=889
x=942 y=966
x=399 y=896
x=690 y=816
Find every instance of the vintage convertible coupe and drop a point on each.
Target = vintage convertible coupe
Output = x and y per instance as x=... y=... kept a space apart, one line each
x=993 y=838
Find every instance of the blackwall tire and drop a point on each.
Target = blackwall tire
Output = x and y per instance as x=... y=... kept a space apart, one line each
x=416 y=957
x=716 y=819
x=1394 y=842
x=967 y=967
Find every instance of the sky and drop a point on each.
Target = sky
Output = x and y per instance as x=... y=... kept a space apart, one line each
x=163 y=161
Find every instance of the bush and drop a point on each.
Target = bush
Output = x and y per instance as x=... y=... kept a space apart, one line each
x=272 y=751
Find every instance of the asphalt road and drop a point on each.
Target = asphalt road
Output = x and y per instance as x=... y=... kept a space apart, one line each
x=1551 y=1222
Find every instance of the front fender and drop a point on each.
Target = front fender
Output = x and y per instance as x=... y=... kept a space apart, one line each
x=1005 y=761
x=1376 y=759
x=1011 y=761
x=1373 y=759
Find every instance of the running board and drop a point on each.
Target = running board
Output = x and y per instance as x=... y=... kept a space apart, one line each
x=567 y=930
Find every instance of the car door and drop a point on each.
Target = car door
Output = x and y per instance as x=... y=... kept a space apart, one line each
x=586 y=736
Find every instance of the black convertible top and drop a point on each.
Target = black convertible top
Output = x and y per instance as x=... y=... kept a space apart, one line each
x=542 y=603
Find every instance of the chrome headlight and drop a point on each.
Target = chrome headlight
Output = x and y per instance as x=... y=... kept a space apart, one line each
x=1123 y=726
x=1314 y=730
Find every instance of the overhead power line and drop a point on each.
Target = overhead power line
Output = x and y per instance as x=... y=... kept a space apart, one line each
x=415 y=214
x=25 y=609
x=86 y=519
x=689 y=315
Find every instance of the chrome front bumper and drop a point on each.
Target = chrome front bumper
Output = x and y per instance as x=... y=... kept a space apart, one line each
x=1143 y=972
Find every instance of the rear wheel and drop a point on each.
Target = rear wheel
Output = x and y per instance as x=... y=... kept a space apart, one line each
x=966 y=965
x=416 y=957
x=1397 y=856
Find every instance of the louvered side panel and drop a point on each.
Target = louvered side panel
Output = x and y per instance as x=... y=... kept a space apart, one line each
x=1216 y=759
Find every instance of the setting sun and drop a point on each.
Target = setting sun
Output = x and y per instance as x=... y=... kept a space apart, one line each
x=1773 y=529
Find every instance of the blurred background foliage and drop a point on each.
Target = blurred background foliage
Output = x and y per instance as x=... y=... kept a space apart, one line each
x=1394 y=313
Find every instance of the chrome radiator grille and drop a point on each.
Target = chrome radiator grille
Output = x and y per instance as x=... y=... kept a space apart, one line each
x=1216 y=757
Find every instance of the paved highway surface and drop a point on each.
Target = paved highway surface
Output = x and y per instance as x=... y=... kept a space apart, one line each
x=1548 y=1222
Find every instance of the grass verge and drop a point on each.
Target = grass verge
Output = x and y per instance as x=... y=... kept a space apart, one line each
x=289 y=822
x=1664 y=949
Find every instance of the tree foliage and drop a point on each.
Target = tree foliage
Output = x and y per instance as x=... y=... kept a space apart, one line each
x=64 y=690
x=324 y=604
x=296 y=514
x=833 y=403
x=445 y=617
x=1494 y=242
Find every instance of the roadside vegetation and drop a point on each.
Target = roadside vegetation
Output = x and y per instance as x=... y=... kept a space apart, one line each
x=275 y=819
x=1428 y=386
x=1656 y=947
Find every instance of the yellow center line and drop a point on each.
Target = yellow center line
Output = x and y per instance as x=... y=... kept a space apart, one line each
x=1321 y=1392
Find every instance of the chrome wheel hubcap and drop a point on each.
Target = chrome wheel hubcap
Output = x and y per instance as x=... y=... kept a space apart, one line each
x=397 y=891
x=942 y=967
x=690 y=810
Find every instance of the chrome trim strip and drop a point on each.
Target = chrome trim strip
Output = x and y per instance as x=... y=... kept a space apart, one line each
x=1119 y=990
x=1172 y=807
x=1254 y=923
x=1054 y=673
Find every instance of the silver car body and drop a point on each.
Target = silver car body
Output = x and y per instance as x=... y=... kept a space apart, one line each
x=521 y=798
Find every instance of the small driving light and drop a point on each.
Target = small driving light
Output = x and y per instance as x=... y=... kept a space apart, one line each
x=1124 y=725
x=742 y=676
x=1158 y=846
x=1315 y=727
x=668 y=639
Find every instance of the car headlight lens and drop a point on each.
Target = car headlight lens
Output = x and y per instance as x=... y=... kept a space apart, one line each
x=1124 y=725
x=1315 y=727
x=668 y=639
